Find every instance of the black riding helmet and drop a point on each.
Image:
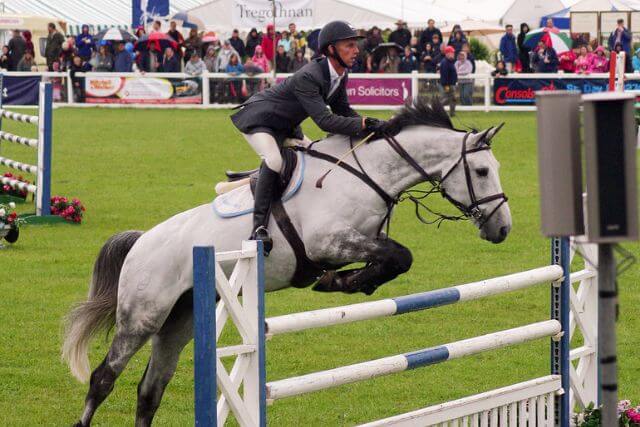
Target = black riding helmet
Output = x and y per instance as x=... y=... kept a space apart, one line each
x=333 y=32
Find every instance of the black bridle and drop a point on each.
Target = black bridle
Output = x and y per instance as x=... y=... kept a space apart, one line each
x=471 y=211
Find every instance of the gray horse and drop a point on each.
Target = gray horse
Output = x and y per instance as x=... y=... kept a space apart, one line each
x=142 y=281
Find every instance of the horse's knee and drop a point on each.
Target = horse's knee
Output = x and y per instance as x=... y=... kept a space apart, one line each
x=399 y=259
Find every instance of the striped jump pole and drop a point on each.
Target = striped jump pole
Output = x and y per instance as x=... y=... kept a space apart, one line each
x=415 y=302
x=363 y=371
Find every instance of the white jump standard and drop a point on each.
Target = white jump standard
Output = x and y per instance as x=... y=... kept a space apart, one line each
x=544 y=401
x=42 y=187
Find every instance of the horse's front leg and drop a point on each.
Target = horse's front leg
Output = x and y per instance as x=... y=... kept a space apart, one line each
x=386 y=259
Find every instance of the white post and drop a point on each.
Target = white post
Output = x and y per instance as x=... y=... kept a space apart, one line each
x=487 y=94
x=414 y=84
x=205 y=88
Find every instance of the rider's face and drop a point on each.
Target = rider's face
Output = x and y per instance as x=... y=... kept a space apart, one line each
x=348 y=51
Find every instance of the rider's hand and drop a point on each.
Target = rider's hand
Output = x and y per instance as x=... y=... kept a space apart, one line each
x=376 y=126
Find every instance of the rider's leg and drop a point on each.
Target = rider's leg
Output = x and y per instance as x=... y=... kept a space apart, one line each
x=292 y=142
x=267 y=148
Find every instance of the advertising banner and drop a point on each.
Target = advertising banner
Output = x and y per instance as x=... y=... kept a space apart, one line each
x=378 y=91
x=142 y=90
x=522 y=91
x=20 y=90
x=259 y=13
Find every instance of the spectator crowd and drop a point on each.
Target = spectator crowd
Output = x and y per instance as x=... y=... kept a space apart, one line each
x=397 y=51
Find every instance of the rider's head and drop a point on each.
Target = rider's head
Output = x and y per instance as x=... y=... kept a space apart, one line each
x=338 y=40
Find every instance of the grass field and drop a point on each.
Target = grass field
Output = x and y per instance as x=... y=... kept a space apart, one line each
x=134 y=168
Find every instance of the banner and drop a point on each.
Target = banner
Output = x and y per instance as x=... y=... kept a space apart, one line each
x=378 y=91
x=142 y=90
x=144 y=11
x=522 y=91
x=20 y=90
x=259 y=13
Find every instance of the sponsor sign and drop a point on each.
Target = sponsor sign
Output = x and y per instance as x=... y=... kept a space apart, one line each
x=522 y=91
x=378 y=91
x=18 y=90
x=142 y=90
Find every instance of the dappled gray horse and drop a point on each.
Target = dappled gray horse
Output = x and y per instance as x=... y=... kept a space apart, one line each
x=142 y=281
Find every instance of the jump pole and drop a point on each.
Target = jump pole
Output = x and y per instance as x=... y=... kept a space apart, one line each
x=363 y=371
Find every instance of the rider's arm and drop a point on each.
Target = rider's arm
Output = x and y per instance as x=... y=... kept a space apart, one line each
x=307 y=91
x=340 y=104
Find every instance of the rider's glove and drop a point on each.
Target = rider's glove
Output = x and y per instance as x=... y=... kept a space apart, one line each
x=377 y=126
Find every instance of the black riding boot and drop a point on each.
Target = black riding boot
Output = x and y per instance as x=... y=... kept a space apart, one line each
x=264 y=194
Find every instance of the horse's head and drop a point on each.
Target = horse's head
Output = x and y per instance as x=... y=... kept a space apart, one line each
x=472 y=184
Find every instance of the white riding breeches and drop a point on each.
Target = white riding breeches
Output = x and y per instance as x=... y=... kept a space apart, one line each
x=267 y=148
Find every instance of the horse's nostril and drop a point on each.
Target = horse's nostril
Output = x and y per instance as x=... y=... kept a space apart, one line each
x=504 y=230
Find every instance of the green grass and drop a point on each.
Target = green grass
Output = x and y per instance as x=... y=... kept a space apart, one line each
x=134 y=168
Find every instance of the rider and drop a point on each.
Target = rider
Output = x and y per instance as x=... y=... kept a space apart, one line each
x=273 y=115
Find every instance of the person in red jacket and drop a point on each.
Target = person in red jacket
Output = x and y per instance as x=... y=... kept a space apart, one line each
x=268 y=42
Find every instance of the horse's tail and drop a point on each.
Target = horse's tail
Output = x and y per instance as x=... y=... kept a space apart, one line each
x=98 y=312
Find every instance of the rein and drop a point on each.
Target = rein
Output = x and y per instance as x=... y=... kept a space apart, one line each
x=471 y=211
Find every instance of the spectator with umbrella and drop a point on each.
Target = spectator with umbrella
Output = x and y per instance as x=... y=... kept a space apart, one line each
x=85 y=43
x=123 y=62
x=170 y=63
x=545 y=59
x=114 y=34
x=103 y=60
x=389 y=57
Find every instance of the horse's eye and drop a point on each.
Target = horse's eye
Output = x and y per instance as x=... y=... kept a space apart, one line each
x=482 y=172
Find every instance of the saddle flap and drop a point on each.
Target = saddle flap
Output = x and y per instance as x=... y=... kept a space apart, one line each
x=239 y=201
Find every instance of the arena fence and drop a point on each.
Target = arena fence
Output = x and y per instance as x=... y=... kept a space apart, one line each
x=514 y=92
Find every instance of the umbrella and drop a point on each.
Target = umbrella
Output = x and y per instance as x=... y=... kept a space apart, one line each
x=560 y=42
x=157 y=41
x=209 y=37
x=379 y=51
x=188 y=20
x=474 y=27
x=114 y=34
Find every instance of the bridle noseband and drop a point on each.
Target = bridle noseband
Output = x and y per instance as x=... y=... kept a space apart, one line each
x=471 y=211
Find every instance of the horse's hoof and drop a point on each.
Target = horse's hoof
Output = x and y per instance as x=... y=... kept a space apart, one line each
x=325 y=283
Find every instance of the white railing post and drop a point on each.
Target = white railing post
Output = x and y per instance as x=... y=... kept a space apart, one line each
x=414 y=84
x=205 y=88
x=69 y=88
x=487 y=94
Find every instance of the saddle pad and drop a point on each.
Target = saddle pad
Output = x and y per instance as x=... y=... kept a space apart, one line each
x=239 y=201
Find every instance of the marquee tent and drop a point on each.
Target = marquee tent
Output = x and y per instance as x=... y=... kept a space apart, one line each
x=217 y=15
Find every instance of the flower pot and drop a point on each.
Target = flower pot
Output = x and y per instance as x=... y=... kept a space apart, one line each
x=10 y=234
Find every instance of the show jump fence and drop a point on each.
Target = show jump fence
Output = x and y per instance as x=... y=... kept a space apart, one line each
x=544 y=401
x=42 y=171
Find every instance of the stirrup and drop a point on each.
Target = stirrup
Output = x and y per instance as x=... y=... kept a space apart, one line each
x=262 y=233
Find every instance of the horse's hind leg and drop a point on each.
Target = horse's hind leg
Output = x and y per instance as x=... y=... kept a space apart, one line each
x=167 y=345
x=123 y=347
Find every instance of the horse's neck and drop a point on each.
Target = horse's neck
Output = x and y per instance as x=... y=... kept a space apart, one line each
x=432 y=148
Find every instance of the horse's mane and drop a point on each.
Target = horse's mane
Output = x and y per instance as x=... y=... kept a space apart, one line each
x=420 y=111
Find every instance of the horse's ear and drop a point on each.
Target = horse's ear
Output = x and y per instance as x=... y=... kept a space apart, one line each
x=480 y=137
x=492 y=132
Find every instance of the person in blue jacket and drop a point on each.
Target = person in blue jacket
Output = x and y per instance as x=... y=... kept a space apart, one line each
x=620 y=35
x=449 y=79
x=509 y=48
x=85 y=44
x=123 y=62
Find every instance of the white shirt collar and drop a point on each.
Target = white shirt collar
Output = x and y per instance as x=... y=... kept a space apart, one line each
x=333 y=74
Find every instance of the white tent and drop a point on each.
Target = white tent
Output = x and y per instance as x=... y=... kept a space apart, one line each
x=217 y=15
x=415 y=12
x=504 y=12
